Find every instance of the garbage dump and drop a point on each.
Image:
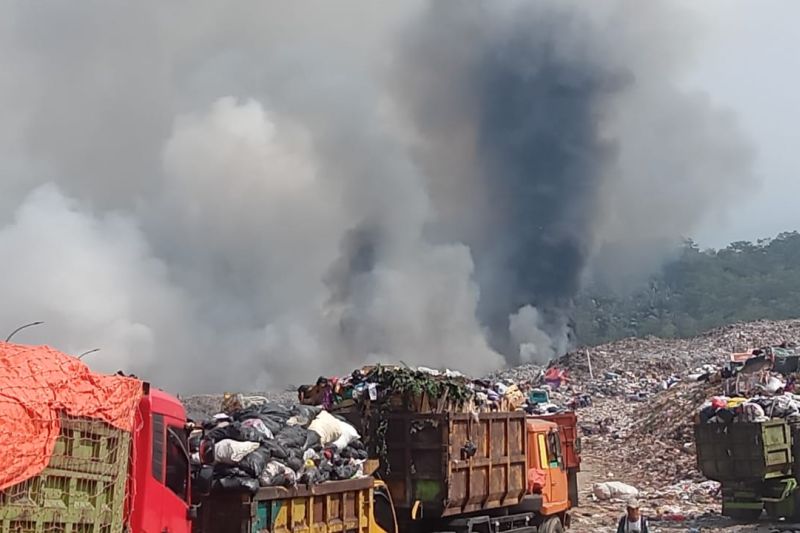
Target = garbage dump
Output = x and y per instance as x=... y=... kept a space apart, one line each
x=637 y=402
x=255 y=443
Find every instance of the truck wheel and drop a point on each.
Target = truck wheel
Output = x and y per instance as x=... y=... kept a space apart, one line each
x=553 y=525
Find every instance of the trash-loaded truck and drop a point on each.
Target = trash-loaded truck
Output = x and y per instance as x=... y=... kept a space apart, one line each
x=757 y=465
x=84 y=452
x=89 y=453
x=456 y=466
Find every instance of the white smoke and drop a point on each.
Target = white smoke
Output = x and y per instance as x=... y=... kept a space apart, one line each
x=239 y=197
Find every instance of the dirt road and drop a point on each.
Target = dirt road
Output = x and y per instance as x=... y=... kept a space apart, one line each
x=599 y=517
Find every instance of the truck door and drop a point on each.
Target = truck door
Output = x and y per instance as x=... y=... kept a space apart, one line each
x=172 y=471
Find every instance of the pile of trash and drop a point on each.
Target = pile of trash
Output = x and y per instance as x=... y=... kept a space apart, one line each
x=254 y=444
x=645 y=395
x=419 y=389
x=755 y=386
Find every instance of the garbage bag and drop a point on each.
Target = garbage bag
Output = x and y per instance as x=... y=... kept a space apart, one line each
x=352 y=453
x=223 y=470
x=312 y=442
x=309 y=412
x=277 y=474
x=327 y=427
x=295 y=463
x=345 y=471
x=283 y=480
x=752 y=412
x=276 y=411
x=227 y=431
x=332 y=430
x=276 y=449
x=238 y=484
x=255 y=462
x=347 y=435
x=292 y=436
x=255 y=430
x=614 y=490
x=231 y=452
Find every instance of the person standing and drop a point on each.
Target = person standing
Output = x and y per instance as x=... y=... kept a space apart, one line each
x=633 y=521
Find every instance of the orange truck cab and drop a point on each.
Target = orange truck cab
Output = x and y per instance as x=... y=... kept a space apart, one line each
x=547 y=484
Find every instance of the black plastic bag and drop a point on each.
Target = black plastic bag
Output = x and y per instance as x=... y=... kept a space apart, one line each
x=255 y=462
x=276 y=450
x=229 y=431
x=295 y=463
x=255 y=430
x=281 y=480
x=223 y=470
x=308 y=412
x=238 y=484
x=274 y=411
x=292 y=436
x=353 y=453
x=345 y=471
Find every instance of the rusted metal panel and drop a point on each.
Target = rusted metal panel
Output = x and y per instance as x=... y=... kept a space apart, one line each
x=455 y=463
x=333 y=506
x=568 y=431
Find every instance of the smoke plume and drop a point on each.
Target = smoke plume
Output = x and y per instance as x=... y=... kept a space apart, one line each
x=249 y=196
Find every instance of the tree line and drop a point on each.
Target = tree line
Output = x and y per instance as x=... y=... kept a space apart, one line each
x=699 y=290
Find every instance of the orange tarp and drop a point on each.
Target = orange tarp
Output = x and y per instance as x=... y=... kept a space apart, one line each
x=37 y=384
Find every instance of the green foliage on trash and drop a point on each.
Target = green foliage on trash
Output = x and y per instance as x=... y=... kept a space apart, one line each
x=411 y=384
x=698 y=291
x=407 y=386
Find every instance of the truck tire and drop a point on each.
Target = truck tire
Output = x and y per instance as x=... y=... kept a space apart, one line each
x=553 y=525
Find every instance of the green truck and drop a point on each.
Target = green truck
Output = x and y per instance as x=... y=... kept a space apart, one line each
x=757 y=465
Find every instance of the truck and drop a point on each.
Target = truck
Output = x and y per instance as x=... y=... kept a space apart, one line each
x=460 y=472
x=488 y=471
x=503 y=472
x=757 y=465
x=571 y=446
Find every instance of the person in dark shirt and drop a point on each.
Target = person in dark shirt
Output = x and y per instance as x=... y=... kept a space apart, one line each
x=633 y=521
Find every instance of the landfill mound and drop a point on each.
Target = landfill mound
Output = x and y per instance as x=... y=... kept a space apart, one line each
x=645 y=393
x=636 y=400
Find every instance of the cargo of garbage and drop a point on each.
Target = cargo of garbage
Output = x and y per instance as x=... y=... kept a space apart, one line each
x=255 y=443
x=426 y=390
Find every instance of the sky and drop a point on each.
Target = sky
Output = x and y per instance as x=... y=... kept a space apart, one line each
x=748 y=59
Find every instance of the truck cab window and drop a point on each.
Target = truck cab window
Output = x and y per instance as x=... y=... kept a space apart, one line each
x=177 y=478
x=554 y=448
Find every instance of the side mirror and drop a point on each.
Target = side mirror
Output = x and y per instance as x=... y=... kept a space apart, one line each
x=204 y=480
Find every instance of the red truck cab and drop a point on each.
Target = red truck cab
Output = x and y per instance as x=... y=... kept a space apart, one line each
x=158 y=495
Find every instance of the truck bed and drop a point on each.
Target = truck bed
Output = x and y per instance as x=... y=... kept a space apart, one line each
x=453 y=464
x=744 y=451
x=330 y=506
x=82 y=489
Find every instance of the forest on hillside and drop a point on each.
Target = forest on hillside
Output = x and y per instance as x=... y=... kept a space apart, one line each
x=699 y=290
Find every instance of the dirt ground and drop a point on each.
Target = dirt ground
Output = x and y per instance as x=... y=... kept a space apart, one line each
x=601 y=517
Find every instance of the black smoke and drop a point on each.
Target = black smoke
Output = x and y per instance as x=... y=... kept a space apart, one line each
x=538 y=86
